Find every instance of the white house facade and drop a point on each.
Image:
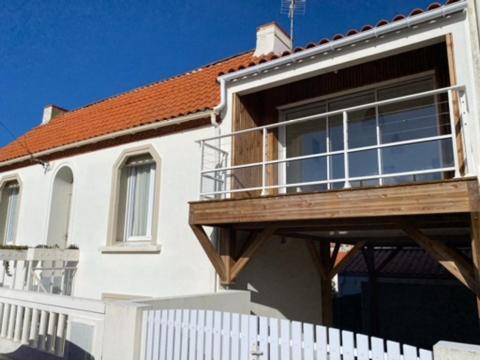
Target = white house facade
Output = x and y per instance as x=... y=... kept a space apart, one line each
x=382 y=122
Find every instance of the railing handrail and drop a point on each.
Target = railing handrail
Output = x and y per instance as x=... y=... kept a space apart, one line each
x=337 y=112
x=454 y=110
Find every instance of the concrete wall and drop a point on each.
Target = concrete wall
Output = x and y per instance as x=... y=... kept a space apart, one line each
x=445 y=350
x=283 y=281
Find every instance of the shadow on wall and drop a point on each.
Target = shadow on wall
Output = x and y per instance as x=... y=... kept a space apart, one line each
x=72 y=352
x=283 y=281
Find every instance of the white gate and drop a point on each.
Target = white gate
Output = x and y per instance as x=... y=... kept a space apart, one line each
x=206 y=335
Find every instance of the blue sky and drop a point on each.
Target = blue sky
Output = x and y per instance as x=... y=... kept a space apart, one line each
x=72 y=53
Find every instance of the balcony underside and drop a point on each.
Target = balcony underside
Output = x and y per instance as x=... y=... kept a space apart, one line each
x=453 y=198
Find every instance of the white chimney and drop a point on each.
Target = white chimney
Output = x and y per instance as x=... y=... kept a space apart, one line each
x=50 y=112
x=271 y=38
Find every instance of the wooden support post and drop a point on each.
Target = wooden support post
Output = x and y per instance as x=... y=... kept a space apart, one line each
x=326 y=285
x=369 y=256
x=449 y=258
x=227 y=247
x=475 y=236
x=210 y=250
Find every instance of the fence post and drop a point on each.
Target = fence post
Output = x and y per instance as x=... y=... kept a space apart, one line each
x=122 y=330
x=451 y=108
x=345 y=151
x=446 y=350
x=264 y=160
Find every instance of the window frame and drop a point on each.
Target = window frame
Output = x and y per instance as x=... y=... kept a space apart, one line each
x=285 y=109
x=129 y=207
x=116 y=238
x=3 y=184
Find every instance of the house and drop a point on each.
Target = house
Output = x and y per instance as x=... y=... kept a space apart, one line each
x=240 y=174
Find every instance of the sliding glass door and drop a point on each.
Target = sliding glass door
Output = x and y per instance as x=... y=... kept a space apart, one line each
x=382 y=140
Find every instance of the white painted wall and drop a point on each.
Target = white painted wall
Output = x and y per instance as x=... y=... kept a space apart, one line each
x=181 y=266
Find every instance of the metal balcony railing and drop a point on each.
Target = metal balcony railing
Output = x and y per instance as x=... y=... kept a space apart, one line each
x=410 y=138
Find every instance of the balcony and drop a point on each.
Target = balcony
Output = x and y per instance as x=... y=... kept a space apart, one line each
x=43 y=270
x=366 y=139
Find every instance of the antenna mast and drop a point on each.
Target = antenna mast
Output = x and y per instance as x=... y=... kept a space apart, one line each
x=292 y=8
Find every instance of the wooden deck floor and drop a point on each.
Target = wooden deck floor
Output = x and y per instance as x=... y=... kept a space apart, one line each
x=459 y=196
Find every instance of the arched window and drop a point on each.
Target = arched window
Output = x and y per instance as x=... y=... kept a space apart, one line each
x=60 y=208
x=9 y=203
x=136 y=197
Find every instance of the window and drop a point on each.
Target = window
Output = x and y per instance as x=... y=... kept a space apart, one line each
x=139 y=198
x=136 y=199
x=368 y=129
x=9 y=211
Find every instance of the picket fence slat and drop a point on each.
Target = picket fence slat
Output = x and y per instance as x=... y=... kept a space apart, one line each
x=226 y=336
x=145 y=344
x=409 y=352
x=217 y=334
x=244 y=352
x=184 y=332
x=192 y=334
x=273 y=339
x=426 y=355
x=348 y=346
x=208 y=334
x=377 y=349
x=334 y=343
x=296 y=340
x=362 y=347
x=150 y=334
x=177 y=334
x=235 y=350
x=321 y=340
x=170 y=327
x=308 y=341
x=393 y=350
x=285 y=339
x=164 y=331
x=157 y=334
x=198 y=334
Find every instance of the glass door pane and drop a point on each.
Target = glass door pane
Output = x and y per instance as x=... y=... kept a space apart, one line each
x=306 y=138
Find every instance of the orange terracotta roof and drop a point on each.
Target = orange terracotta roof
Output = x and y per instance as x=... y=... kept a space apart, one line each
x=185 y=94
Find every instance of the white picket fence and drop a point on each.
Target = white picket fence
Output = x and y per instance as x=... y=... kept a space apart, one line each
x=199 y=334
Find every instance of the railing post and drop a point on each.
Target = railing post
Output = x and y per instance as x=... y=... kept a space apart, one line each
x=453 y=132
x=345 y=151
x=202 y=155
x=264 y=160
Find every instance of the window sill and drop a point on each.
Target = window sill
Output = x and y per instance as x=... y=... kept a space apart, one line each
x=131 y=249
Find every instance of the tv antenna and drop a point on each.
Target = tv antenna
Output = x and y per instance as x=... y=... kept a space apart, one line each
x=292 y=8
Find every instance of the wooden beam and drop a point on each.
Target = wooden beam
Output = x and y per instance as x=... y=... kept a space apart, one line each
x=210 y=250
x=246 y=256
x=326 y=285
x=342 y=263
x=475 y=235
x=456 y=102
x=227 y=247
x=321 y=267
x=452 y=196
x=449 y=258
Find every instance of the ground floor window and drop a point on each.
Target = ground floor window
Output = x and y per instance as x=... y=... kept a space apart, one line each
x=9 y=211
